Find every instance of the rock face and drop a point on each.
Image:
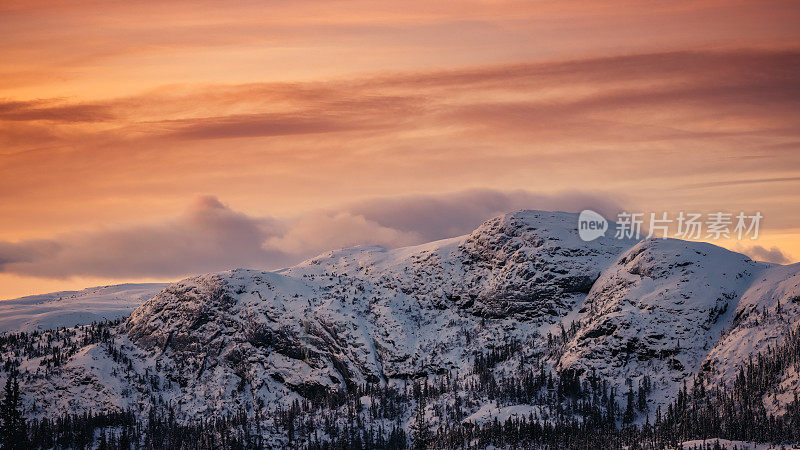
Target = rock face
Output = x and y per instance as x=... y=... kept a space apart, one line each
x=658 y=311
x=221 y=342
x=533 y=263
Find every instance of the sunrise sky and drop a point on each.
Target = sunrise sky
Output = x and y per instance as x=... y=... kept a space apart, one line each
x=144 y=141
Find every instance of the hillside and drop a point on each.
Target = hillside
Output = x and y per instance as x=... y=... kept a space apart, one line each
x=70 y=308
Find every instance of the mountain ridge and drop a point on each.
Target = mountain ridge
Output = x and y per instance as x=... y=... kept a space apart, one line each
x=654 y=312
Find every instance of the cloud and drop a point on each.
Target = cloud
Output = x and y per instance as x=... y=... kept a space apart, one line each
x=433 y=217
x=26 y=252
x=210 y=236
x=759 y=253
x=639 y=124
x=52 y=110
x=317 y=232
x=552 y=101
x=744 y=182
x=754 y=90
x=329 y=120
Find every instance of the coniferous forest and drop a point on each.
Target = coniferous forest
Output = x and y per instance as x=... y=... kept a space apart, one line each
x=573 y=411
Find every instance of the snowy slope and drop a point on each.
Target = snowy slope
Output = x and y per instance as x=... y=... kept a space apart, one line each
x=658 y=311
x=70 y=308
x=727 y=444
x=765 y=314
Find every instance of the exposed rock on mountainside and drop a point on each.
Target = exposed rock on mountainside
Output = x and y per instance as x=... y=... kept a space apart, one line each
x=533 y=263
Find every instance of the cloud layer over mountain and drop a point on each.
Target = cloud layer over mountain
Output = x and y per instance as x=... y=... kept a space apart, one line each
x=210 y=236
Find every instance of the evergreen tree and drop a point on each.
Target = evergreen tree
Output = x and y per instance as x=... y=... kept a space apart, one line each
x=12 y=423
x=422 y=431
x=628 y=416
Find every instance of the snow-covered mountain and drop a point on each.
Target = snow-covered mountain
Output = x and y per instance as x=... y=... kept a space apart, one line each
x=370 y=314
x=70 y=308
x=522 y=291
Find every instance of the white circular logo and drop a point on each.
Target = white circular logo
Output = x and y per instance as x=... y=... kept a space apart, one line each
x=591 y=225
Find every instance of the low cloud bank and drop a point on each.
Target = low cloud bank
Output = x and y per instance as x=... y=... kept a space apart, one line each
x=210 y=236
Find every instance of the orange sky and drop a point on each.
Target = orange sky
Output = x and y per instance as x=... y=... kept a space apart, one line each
x=117 y=121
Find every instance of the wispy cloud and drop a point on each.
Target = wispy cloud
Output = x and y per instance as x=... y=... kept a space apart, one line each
x=684 y=118
x=744 y=182
x=772 y=254
x=53 y=110
x=755 y=91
